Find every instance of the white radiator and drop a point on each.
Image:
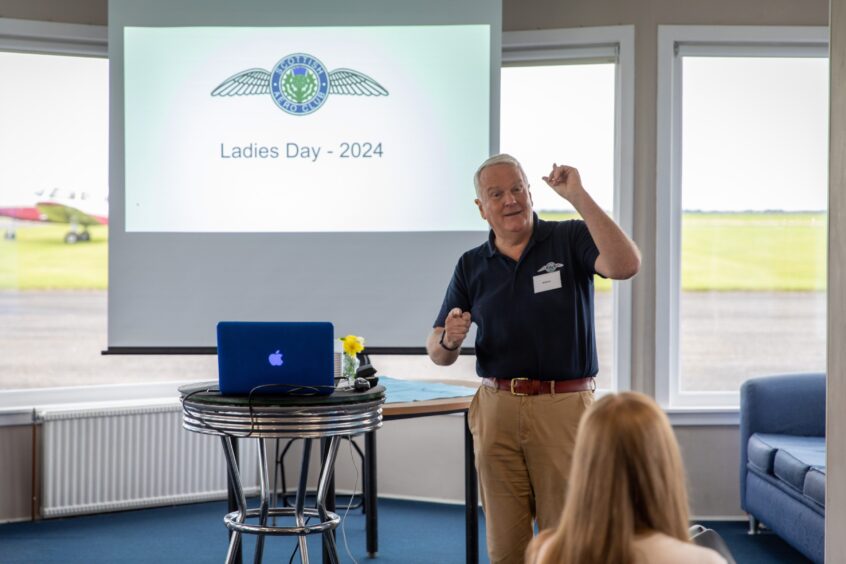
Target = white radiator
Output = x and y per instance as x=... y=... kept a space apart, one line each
x=95 y=460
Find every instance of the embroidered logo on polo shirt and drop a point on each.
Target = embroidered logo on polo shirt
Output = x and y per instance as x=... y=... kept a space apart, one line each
x=550 y=267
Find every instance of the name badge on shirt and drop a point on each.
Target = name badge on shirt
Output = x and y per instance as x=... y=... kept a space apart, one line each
x=548 y=281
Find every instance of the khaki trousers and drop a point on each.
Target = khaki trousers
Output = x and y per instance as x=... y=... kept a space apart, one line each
x=523 y=447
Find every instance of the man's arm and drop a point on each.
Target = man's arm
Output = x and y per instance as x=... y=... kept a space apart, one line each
x=619 y=257
x=457 y=324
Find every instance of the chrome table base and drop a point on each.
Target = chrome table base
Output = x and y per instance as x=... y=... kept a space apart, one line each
x=329 y=418
x=236 y=521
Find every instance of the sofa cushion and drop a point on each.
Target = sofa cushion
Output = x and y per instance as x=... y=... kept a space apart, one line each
x=762 y=447
x=761 y=453
x=794 y=456
x=814 y=487
x=788 y=458
x=790 y=469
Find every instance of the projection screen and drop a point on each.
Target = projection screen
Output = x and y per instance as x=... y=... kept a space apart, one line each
x=294 y=162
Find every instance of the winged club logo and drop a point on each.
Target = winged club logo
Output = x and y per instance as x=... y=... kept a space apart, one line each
x=299 y=84
x=550 y=267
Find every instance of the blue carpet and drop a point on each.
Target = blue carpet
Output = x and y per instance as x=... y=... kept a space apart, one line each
x=409 y=533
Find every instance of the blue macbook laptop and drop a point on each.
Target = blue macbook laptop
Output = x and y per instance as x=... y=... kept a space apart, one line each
x=275 y=357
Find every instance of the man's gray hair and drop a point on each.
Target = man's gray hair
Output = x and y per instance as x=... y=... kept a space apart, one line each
x=501 y=158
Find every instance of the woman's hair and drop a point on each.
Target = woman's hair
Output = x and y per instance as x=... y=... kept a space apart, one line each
x=627 y=479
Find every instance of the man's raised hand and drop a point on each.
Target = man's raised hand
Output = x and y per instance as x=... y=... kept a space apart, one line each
x=565 y=180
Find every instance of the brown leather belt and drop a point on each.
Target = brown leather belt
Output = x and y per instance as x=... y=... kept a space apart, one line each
x=526 y=387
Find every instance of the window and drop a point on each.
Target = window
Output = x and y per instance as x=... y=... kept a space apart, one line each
x=743 y=151
x=566 y=98
x=54 y=166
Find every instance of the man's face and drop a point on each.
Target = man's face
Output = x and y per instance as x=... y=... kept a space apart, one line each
x=504 y=199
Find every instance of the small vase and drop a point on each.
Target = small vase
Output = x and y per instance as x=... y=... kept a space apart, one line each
x=350 y=367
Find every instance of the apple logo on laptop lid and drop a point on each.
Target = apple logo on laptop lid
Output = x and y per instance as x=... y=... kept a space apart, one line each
x=275 y=359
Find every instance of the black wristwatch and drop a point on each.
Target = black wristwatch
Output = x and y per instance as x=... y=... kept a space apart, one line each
x=446 y=347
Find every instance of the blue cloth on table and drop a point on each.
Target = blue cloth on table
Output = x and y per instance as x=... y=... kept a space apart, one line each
x=401 y=391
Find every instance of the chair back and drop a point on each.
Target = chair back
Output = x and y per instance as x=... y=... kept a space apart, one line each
x=709 y=538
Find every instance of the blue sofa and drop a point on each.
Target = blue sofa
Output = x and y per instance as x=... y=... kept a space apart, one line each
x=782 y=458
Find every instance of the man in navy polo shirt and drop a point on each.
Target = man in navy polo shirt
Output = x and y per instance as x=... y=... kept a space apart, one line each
x=529 y=289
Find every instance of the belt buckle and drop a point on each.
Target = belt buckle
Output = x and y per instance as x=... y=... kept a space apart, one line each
x=512 y=387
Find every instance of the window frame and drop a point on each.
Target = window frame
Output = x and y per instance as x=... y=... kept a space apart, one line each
x=51 y=38
x=611 y=43
x=674 y=42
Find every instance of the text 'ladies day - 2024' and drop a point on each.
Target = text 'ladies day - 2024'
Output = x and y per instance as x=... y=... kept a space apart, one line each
x=343 y=150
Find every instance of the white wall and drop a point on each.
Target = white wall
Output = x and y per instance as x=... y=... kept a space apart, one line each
x=437 y=444
x=16 y=473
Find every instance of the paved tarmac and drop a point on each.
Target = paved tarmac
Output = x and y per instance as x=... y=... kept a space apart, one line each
x=729 y=337
x=55 y=338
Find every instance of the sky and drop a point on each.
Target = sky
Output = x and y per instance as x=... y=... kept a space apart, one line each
x=755 y=134
x=754 y=131
x=53 y=126
x=561 y=114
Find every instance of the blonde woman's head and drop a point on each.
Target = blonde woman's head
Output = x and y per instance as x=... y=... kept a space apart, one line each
x=627 y=479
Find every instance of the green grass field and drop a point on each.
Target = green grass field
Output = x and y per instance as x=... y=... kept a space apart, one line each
x=749 y=251
x=39 y=259
x=765 y=251
x=752 y=251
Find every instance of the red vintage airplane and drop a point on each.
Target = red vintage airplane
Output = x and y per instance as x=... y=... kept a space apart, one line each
x=62 y=207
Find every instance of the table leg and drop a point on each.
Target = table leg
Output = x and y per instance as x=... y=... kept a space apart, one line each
x=299 y=505
x=265 y=498
x=326 y=495
x=274 y=496
x=471 y=496
x=230 y=446
x=369 y=493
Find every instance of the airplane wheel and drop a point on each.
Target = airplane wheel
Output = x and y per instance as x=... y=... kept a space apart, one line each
x=85 y=236
x=71 y=238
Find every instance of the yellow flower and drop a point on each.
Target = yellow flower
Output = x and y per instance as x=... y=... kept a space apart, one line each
x=353 y=344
